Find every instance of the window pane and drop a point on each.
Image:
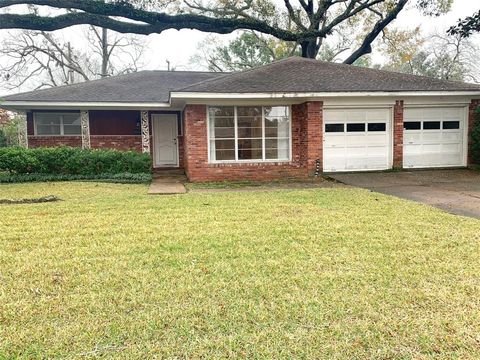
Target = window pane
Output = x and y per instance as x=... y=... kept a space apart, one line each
x=249 y=111
x=377 y=127
x=249 y=149
x=334 y=127
x=412 y=125
x=355 y=127
x=277 y=127
x=222 y=150
x=72 y=130
x=447 y=125
x=249 y=122
x=431 y=125
x=71 y=119
x=216 y=111
x=276 y=111
x=221 y=126
x=277 y=149
x=47 y=123
x=48 y=130
x=224 y=155
x=246 y=132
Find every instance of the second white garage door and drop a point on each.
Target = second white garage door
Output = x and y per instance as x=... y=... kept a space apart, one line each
x=357 y=139
x=434 y=137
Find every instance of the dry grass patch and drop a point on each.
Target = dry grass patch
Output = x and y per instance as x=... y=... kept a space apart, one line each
x=318 y=273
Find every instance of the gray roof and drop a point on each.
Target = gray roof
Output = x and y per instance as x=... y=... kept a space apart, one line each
x=297 y=74
x=290 y=75
x=139 y=87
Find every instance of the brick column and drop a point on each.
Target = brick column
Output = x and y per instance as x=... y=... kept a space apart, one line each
x=398 y=135
x=195 y=140
x=314 y=130
x=85 y=129
x=471 y=120
x=22 y=130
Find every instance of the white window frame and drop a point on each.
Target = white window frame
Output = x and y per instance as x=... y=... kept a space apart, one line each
x=235 y=121
x=62 y=129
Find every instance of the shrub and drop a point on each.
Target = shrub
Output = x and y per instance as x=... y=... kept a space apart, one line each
x=72 y=161
x=476 y=137
x=122 y=178
x=3 y=138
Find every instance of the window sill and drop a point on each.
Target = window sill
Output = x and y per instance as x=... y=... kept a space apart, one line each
x=55 y=136
x=249 y=163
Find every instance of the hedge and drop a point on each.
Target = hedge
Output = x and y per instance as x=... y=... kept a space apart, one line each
x=476 y=137
x=72 y=161
x=122 y=178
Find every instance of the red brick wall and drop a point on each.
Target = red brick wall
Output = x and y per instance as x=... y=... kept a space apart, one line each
x=306 y=148
x=471 y=119
x=54 y=141
x=117 y=142
x=398 y=134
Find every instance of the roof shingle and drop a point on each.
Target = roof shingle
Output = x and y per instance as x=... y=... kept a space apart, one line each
x=139 y=87
x=297 y=74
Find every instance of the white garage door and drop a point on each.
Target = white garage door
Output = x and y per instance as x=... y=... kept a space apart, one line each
x=434 y=137
x=356 y=139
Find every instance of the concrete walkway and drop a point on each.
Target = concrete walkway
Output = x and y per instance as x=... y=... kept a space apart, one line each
x=455 y=191
x=167 y=184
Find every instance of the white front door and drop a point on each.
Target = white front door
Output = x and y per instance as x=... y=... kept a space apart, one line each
x=357 y=139
x=165 y=144
x=434 y=137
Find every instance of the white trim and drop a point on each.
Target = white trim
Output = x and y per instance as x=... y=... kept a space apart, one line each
x=286 y=95
x=155 y=164
x=84 y=105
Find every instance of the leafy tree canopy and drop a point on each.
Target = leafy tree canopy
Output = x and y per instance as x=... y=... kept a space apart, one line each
x=304 y=22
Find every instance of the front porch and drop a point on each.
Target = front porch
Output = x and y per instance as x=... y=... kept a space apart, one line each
x=159 y=133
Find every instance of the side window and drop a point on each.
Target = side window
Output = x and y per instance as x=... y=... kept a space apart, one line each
x=355 y=127
x=412 y=125
x=450 y=125
x=334 y=128
x=431 y=125
x=377 y=127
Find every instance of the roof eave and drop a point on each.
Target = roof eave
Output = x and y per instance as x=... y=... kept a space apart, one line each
x=310 y=95
x=66 y=105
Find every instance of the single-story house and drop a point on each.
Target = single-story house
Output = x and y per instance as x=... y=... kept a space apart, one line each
x=291 y=118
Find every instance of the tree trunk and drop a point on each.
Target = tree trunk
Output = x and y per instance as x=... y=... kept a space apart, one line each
x=104 y=52
x=309 y=48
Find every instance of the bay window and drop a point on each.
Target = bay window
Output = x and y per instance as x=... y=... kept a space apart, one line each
x=249 y=133
x=54 y=124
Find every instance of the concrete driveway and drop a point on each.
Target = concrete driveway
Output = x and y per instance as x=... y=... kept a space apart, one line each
x=455 y=191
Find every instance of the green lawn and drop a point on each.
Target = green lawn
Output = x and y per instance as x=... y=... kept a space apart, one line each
x=317 y=273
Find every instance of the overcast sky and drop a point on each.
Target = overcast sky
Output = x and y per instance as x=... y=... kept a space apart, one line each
x=179 y=46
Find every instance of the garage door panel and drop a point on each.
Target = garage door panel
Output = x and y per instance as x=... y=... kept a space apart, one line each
x=359 y=146
x=431 y=149
x=440 y=140
x=432 y=136
x=452 y=137
x=378 y=140
x=376 y=151
x=355 y=116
